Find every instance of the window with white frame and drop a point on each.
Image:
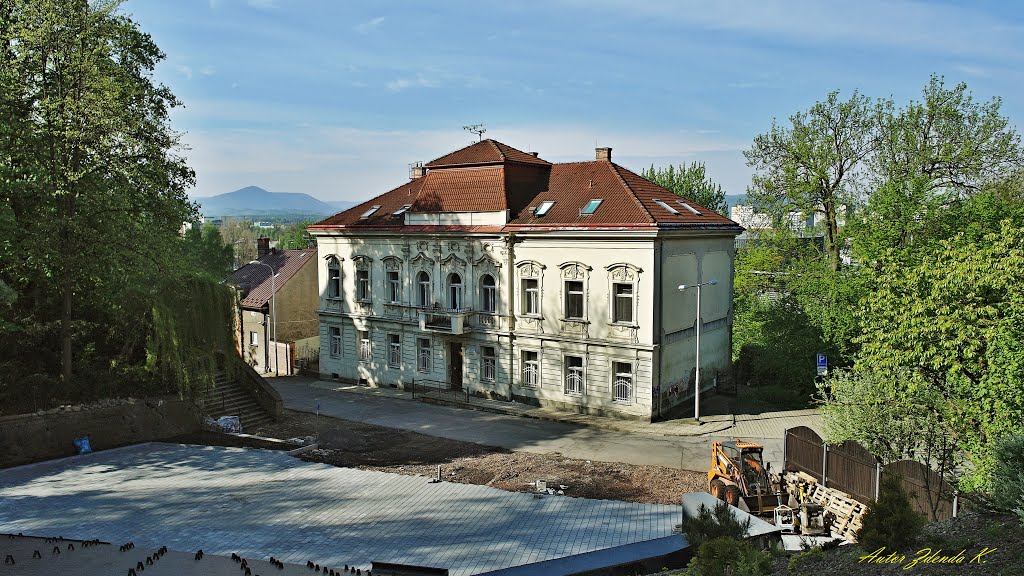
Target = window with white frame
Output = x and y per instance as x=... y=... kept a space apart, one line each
x=574 y=299
x=394 y=350
x=364 y=346
x=531 y=296
x=531 y=368
x=394 y=287
x=335 y=341
x=363 y=285
x=423 y=354
x=333 y=278
x=254 y=338
x=488 y=363
x=423 y=289
x=573 y=375
x=622 y=381
x=622 y=307
x=454 y=291
x=488 y=294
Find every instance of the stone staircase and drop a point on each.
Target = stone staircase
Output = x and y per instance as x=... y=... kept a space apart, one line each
x=229 y=398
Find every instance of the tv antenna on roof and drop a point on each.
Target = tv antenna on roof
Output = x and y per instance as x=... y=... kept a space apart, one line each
x=477 y=129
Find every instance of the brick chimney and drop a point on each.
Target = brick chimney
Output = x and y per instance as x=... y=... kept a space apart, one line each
x=604 y=154
x=416 y=170
x=262 y=247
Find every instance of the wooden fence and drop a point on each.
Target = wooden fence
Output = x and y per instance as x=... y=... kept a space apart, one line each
x=851 y=468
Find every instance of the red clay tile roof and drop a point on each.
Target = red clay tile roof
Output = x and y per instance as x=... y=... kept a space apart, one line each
x=486 y=152
x=254 y=280
x=450 y=185
x=480 y=189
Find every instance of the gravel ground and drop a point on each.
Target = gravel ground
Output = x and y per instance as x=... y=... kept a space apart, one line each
x=369 y=447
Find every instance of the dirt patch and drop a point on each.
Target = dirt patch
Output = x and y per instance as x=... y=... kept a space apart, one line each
x=370 y=447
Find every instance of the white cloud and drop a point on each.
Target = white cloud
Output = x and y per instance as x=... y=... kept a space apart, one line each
x=369 y=25
x=184 y=70
x=970 y=70
x=348 y=163
x=926 y=26
x=420 y=81
x=207 y=70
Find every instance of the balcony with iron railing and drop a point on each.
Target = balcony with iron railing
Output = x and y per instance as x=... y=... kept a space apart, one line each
x=445 y=320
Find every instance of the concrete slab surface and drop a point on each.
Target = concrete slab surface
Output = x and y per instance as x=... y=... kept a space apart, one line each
x=260 y=504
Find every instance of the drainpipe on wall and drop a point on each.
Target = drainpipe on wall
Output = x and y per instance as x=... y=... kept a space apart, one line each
x=510 y=242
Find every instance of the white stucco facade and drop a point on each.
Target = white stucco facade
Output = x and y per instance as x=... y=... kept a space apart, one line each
x=552 y=356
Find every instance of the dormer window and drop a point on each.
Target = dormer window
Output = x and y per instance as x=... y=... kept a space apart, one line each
x=591 y=207
x=369 y=212
x=544 y=207
x=402 y=210
x=688 y=207
x=670 y=209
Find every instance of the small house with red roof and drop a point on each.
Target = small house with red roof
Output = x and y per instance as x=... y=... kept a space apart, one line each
x=278 y=301
x=497 y=272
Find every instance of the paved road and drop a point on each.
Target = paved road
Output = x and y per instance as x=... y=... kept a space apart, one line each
x=514 y=433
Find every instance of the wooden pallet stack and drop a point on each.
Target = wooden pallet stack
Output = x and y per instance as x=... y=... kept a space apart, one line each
x=848 y=512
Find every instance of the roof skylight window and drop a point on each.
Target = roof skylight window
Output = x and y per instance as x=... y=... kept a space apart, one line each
x=670 y=209
x=544 y=207
x=688 y=207
x=591 y=207
x=402 y=210
x=369 y=212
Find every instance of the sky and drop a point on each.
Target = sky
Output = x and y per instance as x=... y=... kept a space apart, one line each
x=335 y=98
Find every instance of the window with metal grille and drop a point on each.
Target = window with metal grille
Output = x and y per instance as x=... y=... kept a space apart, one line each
x=573 y=375
x=394 y=351
x=622 y=308
x=394 y=287
x=488 y=294
x=423 y=354
x=531 y=296
x=364 y=346
x=363 y=285
x=622 y=386
x=531 y=369
x=423 y=289
x=333 y=278
x=574 y=299
x=454 y=291
x=335 y=335
x=488 y=363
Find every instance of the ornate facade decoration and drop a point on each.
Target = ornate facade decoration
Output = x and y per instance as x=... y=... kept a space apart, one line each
x=362 y=262
x=422 y=261
x=530 y=269
x=574 y=270
x=578 y=328
x=392 y=263
x=623 y=272
x=453 y=263
x=626 y=333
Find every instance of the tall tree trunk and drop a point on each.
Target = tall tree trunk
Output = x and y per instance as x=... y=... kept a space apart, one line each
x=65 y=329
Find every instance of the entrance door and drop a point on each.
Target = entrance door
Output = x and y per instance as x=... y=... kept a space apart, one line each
x=455 y=365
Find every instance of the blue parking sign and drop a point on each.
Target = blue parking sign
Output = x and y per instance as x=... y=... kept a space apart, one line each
x=822 y=360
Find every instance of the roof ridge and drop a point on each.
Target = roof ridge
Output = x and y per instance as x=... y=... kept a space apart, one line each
x=497 y=149
x=632 y=193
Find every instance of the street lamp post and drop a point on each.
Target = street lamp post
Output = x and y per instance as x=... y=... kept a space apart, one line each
x=696 y=389
x=273 y=311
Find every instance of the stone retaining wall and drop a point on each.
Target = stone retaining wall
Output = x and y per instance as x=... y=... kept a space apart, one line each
x=49 y=434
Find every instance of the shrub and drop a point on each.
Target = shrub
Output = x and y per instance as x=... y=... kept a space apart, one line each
x=711 y=523
x=890 y=521
x=809 y=554
x=728 y=556
x=1007 y=492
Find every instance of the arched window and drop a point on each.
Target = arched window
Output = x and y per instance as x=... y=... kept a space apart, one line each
x=333 y=278
x=423 y=289
x=488 y=294
x=454 y=291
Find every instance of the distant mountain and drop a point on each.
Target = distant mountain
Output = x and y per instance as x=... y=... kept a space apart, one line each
x=734 y=199
x=255 y=201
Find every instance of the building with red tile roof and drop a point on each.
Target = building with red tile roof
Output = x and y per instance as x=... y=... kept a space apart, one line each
x=278 y=307
x=496 y=271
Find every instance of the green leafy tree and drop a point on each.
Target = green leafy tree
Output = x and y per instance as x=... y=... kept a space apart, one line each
x=92 y=200
x=811 y=165
x=207 y=253
x=949 y=333
x=890 y=522
x=690 y=181
x=930 y=156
